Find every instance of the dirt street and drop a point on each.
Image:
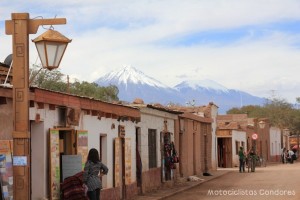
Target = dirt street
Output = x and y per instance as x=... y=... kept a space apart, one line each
x=278 y=182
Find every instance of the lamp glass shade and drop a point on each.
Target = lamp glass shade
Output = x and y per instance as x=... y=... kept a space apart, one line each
x=262 y=124
x=50 y=53
x=51 y=47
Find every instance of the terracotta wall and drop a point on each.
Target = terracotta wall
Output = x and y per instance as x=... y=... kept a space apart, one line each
x=206 y=143
x=192 y=148
x=151 y=180
x=110 y=193
x=197 y=148
x=6 y=120
x=131 y=190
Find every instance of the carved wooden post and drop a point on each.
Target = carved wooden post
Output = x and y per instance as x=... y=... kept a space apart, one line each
x=20 y=26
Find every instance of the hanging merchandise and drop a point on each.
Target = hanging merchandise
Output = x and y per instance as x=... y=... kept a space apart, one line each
x=171 y=156
x=175 y=156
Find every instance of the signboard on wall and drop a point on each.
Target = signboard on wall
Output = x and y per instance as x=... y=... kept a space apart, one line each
x=54 y=164
x=117 y=169
x=224 y=133
x=82 y=146
x=127 y=161
x=20 y=161
x=118 y=161
x=121 y=131
x=71 y=165
x=6 y=169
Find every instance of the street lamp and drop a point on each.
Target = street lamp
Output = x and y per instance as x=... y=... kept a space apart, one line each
x=262 y=125
x=51 y=46
x=20 y=26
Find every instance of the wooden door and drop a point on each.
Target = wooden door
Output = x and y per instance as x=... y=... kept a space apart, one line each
x=228 y=152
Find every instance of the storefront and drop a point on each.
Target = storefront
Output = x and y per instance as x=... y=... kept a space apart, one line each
x=63 y=128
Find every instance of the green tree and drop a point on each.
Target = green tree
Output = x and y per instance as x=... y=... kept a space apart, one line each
x=54 y=80
x=51 y=80
x=279 y=112
x=250 y=110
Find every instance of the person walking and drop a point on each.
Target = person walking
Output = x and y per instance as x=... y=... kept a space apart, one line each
x=252 y=157
x=291 y=156
x=242 y=158
x=93 y=170
x=283 y=156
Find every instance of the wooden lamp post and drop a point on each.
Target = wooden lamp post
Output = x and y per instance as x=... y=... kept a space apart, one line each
x=20 y=26
x=262 y=125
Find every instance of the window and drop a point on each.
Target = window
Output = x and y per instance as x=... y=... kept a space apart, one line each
x=181 y=125
x=243 y=144
x=152 y=148
x=204 y=129
x=237 y=145
x=195 y=125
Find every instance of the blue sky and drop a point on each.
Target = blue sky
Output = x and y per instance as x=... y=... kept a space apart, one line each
x=250 y=45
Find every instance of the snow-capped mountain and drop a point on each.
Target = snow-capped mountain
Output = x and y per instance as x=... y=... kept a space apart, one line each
x=130 y=75
x=133 y=83
x=204 y=84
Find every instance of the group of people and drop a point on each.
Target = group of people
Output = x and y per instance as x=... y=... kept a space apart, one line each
x=243 y=156
x=288 y=156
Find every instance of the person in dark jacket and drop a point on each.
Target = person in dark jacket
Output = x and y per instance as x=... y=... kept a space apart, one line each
x=242 y=158
x=93 y=170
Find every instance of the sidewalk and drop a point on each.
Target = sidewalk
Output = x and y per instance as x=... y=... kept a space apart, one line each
x=182 y=186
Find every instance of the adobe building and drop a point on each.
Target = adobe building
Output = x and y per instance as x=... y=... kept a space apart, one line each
x=156 y=144
x=262 y=142
x=231 y=135
x=194 y=140
x=63 y=129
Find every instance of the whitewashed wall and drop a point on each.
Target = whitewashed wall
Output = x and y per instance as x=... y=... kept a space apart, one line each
x=39 y=146
x=94 y=126
x=153 y=119
x=214 y=153
x=239 y=136
x=275 y=141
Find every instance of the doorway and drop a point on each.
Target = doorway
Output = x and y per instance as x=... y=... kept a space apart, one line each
x=68 y=150
x=224 y=152
x=138 y=158
x=67 y=146
x=103 y=155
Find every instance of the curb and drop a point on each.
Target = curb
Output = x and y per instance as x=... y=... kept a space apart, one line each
x=192 y=186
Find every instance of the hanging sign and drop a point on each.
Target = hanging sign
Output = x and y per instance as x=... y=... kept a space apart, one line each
x=121 y=131
x=20 y=161
x=254 y=136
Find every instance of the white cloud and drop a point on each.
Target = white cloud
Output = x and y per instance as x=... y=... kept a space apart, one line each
x=108 y=34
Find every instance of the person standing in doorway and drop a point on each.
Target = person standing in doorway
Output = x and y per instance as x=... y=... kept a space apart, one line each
x=242 y=158
x=93 y=170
